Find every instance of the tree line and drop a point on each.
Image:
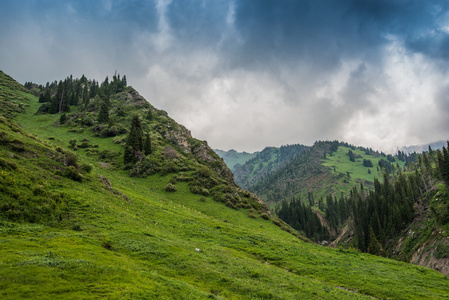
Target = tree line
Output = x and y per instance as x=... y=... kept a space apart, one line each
x=57 y=97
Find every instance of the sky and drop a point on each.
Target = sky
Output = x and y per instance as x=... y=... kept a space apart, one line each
x=246 y=74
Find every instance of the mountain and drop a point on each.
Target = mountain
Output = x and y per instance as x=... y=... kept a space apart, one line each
x=422 y=148
x=341 y=192
x=323 y=169
x=264 y=163
x=77 y=222
x=233 y=158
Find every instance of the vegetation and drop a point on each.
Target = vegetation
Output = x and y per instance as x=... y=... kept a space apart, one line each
x=264 y=164
x=120 y=237
x=332 y=196
x=233 y=158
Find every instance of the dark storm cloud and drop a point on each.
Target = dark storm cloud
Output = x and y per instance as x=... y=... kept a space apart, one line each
x=328 y=31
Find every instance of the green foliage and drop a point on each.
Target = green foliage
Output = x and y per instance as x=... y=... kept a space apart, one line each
x=103 y=115
x=63 y=119
x=256 y=169
x=72 y=173
x=147 y=144
x=302 y=218
x=134 y=143
x=14 y=98
x=367 y=163
x=170 y=188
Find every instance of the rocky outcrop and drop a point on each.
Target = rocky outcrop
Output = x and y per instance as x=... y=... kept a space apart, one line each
x=179 y=137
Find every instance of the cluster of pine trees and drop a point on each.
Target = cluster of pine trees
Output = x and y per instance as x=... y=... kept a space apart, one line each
x=337 y=211
x=57 y=97
x=301 y=217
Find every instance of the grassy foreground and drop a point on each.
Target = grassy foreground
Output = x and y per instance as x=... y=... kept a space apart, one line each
x=117 y=237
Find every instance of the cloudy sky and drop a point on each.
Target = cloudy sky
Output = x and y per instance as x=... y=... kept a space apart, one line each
x=245 y=74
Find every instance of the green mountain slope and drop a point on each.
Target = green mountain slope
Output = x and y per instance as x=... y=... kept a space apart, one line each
x=323 y=169
x=233 y=158
x=268 y=161
x=76 y=225
x=409 y=223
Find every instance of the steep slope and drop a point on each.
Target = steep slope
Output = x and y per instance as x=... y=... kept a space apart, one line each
x=78 y=226
x=13 y=96
x=233 y=158
x=265 y=163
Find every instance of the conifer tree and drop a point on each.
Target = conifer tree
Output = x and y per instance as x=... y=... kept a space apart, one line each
x=103 y=115
x=374 y=246
x=135 y=140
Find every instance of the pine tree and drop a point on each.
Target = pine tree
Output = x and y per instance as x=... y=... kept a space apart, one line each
x=374 y=246
x=103 y=115
x=128 y=156
x=135 y=140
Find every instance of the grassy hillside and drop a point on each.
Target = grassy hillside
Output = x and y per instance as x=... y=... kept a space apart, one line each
x=74 y=224
x=321 y=171
x=340 y=163
x=13 y=96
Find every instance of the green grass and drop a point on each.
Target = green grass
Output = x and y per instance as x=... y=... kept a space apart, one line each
x=340 y=164
x=162 y=245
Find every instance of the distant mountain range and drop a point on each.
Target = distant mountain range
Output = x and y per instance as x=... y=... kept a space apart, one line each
x=422 y=148
x=233 y=158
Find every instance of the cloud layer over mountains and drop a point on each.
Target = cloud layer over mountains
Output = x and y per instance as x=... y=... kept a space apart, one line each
x=249 y=74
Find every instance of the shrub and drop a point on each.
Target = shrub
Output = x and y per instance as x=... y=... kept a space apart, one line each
x=107 y=245
x=84 y=145
x=170 y=153
x=204 y=172
x=110 y=132
x=108 y=154
x=86 y=168
x=170 y=188
x=88 y=121
x=265 y=216
x=170 y=167
x=76 y=228
x=72 y=173
x=70 y=159
x=73 y=144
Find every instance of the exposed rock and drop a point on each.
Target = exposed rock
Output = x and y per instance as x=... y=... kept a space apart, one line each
x=203 y=152
x=170 y=153
x=179 y=137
